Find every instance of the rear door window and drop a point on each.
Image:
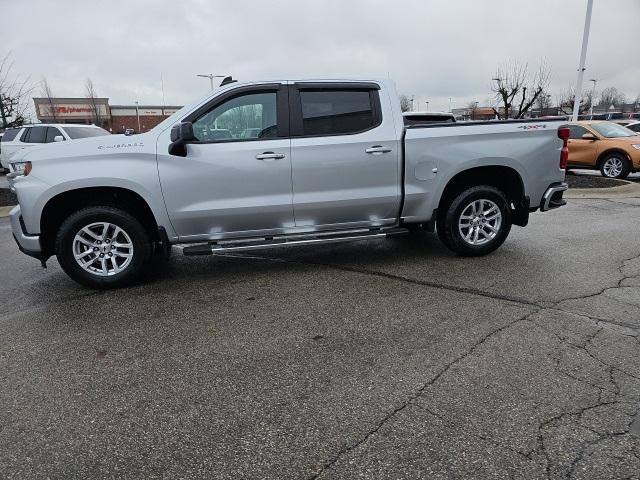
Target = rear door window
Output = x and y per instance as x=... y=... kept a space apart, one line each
x=37 y=135
x=25 y=135
x=337 y=112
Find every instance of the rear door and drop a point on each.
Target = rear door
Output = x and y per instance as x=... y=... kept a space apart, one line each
x=344 y=156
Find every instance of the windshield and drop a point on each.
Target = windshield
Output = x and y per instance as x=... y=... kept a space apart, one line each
x=612 y=130
x=84 y=132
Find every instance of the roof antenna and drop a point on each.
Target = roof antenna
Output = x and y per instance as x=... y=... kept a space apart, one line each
x=227 y=81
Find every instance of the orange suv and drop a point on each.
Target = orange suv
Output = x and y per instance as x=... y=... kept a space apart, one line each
x=606 y=146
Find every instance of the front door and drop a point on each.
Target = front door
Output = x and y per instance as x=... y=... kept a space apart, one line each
x=344 y=156
x=236 y=177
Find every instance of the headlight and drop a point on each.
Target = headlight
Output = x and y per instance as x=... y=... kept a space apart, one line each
x=18 y=167
x=636 y=146
x=22 y=168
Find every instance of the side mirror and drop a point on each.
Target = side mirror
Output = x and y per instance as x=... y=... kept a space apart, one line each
x=181 y=134
x=58 y=138
x=589 y=136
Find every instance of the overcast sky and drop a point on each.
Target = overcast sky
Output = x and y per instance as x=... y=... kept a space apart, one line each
x=433 y=49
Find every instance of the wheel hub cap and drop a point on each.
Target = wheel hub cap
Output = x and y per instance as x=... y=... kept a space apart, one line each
x=103 y=249
x=480 y=222
x=613 y=167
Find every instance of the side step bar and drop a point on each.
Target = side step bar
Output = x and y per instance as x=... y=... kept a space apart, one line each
x=247 y=244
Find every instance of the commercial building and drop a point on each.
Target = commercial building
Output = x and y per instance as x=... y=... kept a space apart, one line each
x=97 y=111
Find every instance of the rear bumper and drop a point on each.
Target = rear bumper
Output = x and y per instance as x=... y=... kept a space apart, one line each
x=552 y=197
x=28 y=244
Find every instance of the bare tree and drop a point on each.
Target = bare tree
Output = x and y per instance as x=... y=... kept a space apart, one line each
x=46 y=92
x=611 y=96
x=544 y=103
x=14 y=95
x=471 y=108
x=405 y=103
x=516 y=90
x=92 y=95
x=567 y=99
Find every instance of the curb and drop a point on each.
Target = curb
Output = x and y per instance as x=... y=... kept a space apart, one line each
x=4 y=211
x=630 y=190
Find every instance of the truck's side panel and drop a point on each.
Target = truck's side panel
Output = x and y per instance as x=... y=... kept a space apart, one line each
x=433 y=156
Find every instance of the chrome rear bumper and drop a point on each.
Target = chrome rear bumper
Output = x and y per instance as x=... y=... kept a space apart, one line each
x=552 y=198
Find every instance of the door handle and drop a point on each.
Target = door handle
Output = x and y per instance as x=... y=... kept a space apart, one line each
x=270 y=156
x=377 y=149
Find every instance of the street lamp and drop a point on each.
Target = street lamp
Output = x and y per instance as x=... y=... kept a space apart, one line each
x=593 y=94
x=138 y=116
x=583 y=57
x=427 y=102
x=210 y=76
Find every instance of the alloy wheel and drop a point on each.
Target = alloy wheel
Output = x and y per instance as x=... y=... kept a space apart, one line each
x=613 y=167
x=480 y=222
x=103 y=249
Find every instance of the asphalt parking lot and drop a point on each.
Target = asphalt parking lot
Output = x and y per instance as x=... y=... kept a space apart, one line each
x=382 y=359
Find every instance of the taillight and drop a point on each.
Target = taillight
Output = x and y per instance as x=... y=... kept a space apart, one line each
x=564 y=133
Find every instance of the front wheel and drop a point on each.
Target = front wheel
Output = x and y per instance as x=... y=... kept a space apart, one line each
x=103 y=247
x=615 y=166
x=475 y=222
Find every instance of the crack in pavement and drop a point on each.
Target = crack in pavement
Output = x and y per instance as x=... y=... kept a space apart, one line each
x=411 y=399
x=538 y=307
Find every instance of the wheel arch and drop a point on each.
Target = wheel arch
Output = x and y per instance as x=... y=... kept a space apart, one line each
x=502 y=177
x=60 y=206
x=611 y=151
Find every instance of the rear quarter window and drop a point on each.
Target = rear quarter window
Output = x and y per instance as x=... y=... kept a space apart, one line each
x=10 y=134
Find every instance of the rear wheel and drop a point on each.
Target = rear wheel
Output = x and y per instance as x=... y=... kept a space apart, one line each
x=103 y=247
x=476 y=221
x=615 y=166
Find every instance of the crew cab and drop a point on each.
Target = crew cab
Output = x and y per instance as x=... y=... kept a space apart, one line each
x=304 y=162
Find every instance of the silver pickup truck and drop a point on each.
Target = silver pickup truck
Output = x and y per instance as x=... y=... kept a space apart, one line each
x=270 y=164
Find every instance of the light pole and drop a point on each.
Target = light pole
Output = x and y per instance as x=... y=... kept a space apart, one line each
x=138 y=116
x=427 y=102
x=583 y=57
x=449 y=104
x=593 y=95
x=210 y=76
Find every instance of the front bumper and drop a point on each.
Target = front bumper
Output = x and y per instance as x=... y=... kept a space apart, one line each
x=552 y=198
x=28 y=244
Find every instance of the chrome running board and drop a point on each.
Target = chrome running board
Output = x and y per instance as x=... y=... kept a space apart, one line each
x=317 y=238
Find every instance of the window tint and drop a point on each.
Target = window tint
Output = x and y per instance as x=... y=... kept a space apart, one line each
x=37 y=135
x=612 y=130
x=25 y=135
x=252 y=116
x=10 y=134
x=53 y=132
x=577 y=132
x=84 y=132
x=336 y=112
x=419 y=119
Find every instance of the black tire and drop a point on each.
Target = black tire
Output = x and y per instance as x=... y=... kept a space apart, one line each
x=449 y=218
x=626 y=166
x=139 y=237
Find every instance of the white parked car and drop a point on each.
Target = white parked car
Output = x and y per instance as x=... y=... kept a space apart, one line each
x=16 y=139
x=635 y=126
